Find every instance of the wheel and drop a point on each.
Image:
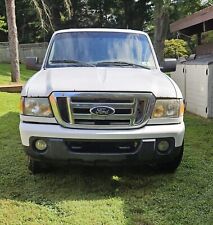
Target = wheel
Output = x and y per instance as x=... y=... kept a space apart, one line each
x=36 y=166
x=172 y=165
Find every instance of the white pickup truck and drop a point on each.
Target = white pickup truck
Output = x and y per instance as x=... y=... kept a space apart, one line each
x=100 y=98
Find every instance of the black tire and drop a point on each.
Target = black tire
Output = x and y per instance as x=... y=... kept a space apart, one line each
x=36 y=166
x=172 y=165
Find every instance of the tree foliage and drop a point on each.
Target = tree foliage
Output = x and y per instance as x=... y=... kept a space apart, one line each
x=208 y=37
x=37 y=19
x=175 y=48
x=53 y=14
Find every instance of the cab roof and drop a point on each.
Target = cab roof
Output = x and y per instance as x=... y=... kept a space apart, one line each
x=100 y=30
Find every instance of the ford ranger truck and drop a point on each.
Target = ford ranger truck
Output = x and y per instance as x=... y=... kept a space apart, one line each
x=100 y=98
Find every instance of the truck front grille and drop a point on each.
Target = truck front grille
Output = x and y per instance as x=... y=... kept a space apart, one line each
x=101 y=110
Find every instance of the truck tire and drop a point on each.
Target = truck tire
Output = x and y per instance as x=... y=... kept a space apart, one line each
x=172 y=165
x=36 y=166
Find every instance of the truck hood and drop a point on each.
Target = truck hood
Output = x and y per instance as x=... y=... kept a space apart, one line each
x=118 y=79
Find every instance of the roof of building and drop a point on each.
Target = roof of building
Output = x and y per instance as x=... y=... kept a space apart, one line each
x=198 y=22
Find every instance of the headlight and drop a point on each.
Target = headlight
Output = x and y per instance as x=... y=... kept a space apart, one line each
x=168 y=108
x=36 y=107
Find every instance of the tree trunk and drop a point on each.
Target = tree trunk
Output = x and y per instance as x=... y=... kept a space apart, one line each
x=13 y=40
x=129 y=13
x=101 y=13
x=161 y=20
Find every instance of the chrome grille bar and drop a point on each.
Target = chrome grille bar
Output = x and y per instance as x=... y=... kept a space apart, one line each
x=95 y=117
x=114 y=105
x=132 y=121
x=69 y=110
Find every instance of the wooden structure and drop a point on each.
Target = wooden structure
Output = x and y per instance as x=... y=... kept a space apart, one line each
x=201 y=21
x=197 y=23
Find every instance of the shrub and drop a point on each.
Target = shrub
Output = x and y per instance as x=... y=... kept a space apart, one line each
x=175 y=48
x=3 y=24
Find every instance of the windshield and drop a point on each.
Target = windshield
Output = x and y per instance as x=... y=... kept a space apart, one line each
x=101 y=49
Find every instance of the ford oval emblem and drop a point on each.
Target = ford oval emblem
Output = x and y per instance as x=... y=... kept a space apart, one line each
x=102 y=110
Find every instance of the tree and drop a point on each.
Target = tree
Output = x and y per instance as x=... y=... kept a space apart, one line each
x=167 y=11
x=161 y=22
x=13 y=40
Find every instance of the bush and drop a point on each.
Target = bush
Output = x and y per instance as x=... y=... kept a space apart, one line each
x=175 y=48
x=3 y=24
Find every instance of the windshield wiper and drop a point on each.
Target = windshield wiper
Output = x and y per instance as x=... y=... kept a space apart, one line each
x=120 y=63
x=71 y=61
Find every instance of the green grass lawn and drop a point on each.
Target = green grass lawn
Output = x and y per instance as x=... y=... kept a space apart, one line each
x=105 y=196
x=5 y=74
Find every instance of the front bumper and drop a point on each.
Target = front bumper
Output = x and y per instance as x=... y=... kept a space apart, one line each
x=28 y=130
x=59 y=152
x=146 y=137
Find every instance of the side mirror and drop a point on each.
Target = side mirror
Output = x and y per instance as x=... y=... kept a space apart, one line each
x=32 y=63
x=169 y=65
